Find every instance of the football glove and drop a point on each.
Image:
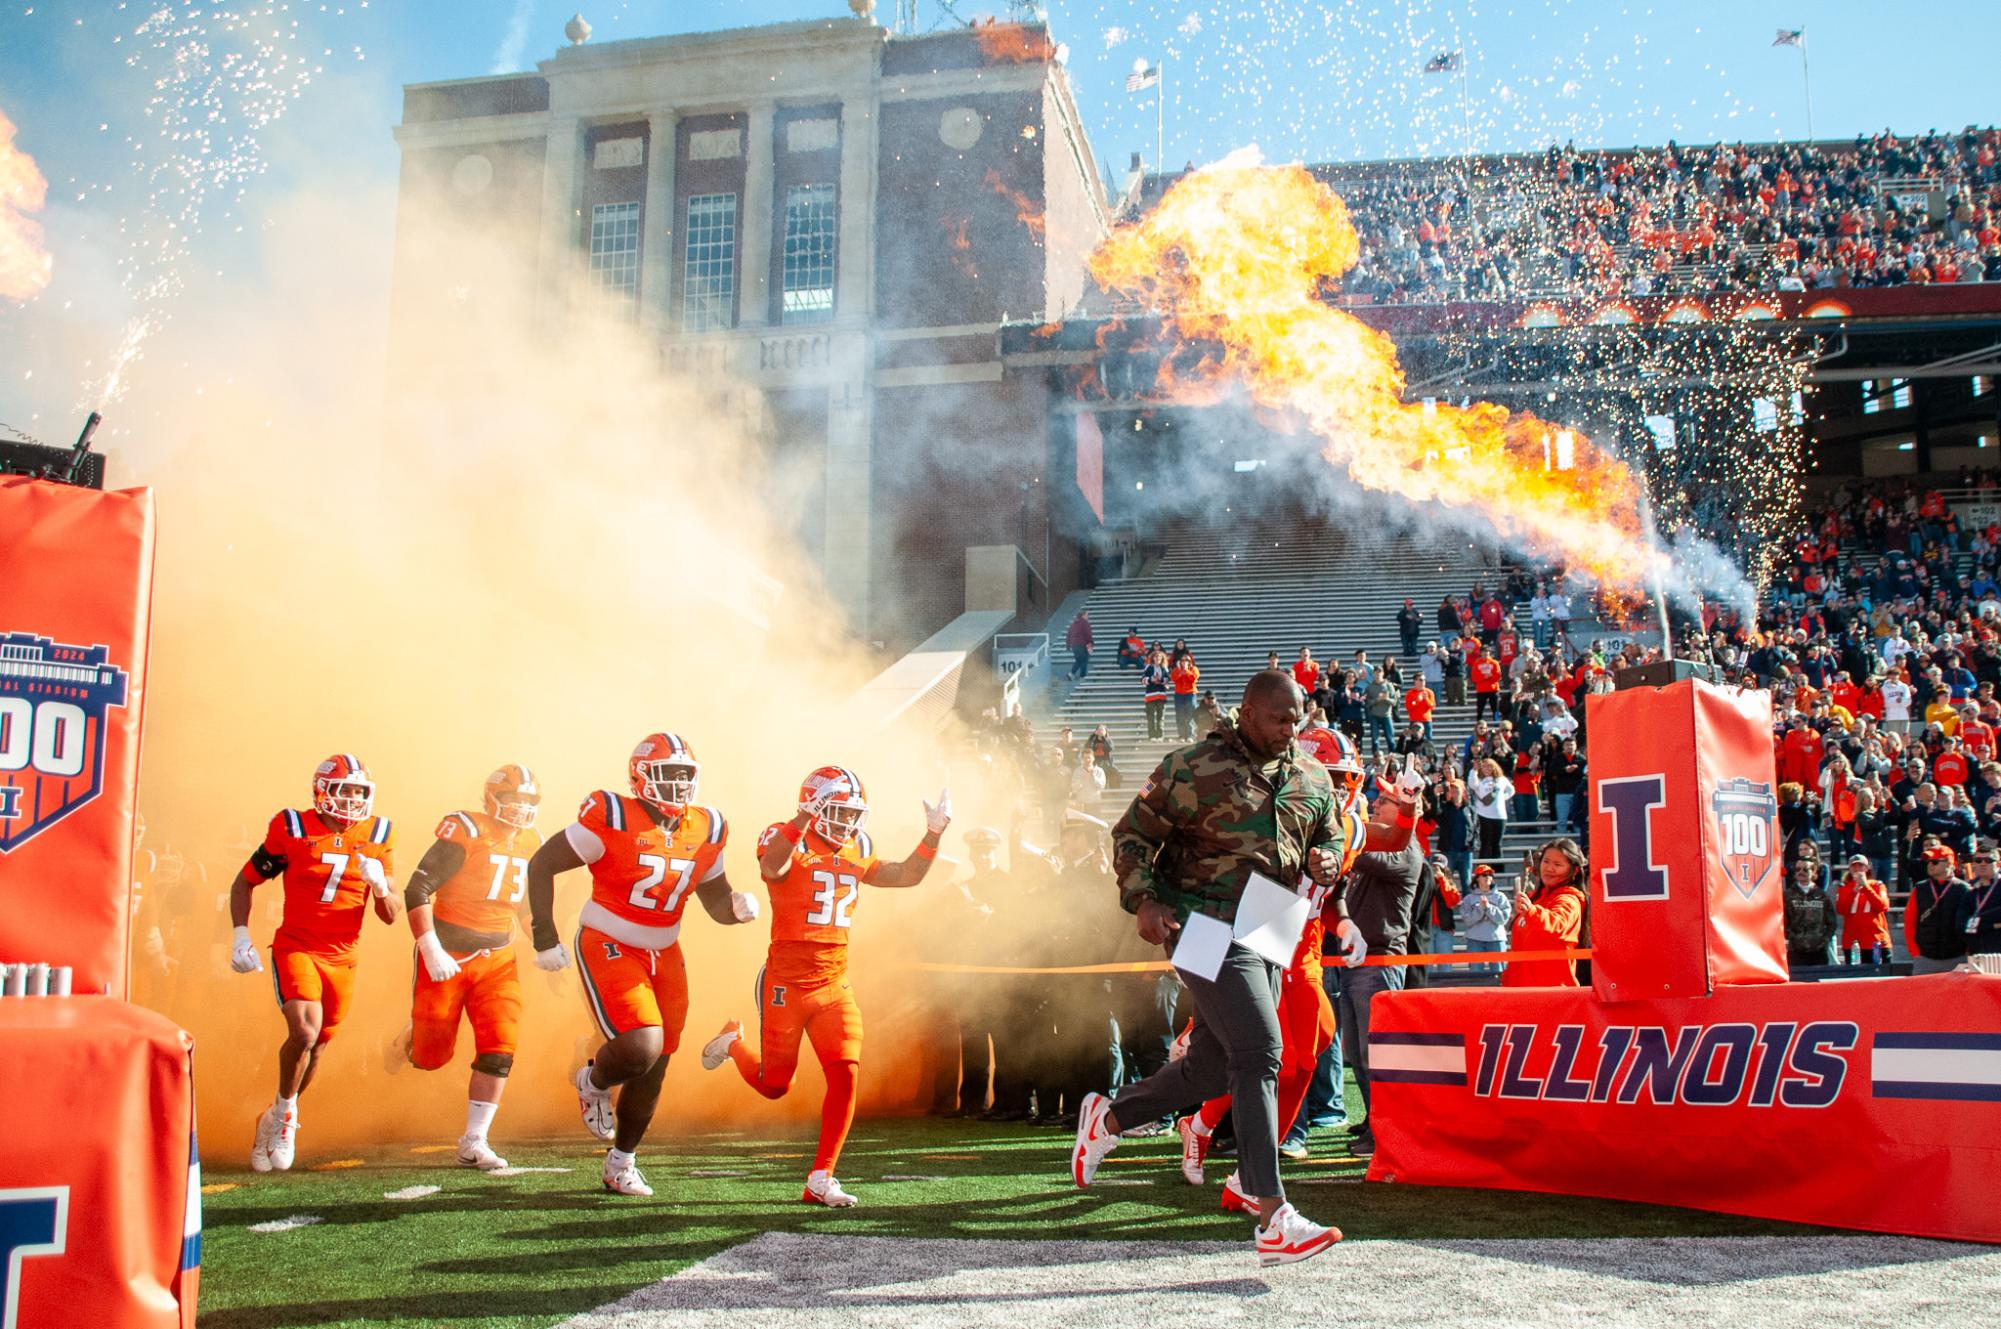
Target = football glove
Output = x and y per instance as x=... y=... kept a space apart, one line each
x=743 y=906
x=243 y=954
x=1354 y=950
x=438 y=962
x=556 y=957
x=378 y=881
x=1410 y=785
x=937 y=816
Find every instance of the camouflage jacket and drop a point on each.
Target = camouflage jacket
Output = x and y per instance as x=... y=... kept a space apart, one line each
x=1209 y=817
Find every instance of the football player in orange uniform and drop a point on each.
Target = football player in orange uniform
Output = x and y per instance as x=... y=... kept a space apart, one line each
x=815 y=866
x=335 y=858
x=647 y=852
x=1307 y=1025
x=462 y=900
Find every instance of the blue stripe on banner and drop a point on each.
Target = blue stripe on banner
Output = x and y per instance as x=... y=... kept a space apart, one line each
x=1957 y=1093
x=1377 y=1076
x=1418 y=1040
x=1946 y=1042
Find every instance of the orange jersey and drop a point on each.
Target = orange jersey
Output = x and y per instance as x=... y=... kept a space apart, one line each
x=643 y=873
x=486 y=892
x=325 y=895
x=813 y=904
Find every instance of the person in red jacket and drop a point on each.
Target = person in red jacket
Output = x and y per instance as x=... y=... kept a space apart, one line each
x=1864 y=906
x=1799 y=756
x=1485 y=671
x=1549 y=916
x=1419 y=703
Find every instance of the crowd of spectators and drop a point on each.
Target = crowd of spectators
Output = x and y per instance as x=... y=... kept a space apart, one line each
x=1881 y=211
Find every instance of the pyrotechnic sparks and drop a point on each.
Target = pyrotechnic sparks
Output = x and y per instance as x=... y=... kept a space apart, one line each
x=25 y=265
x=1239 y=254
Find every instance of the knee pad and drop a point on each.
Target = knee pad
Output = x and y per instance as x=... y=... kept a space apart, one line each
x=496 y=1064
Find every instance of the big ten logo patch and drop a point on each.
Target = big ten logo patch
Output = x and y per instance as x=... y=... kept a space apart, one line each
x=54 y=699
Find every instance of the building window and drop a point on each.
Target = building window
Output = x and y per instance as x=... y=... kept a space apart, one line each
x=809 y=254
x=708 y=298
x=615 y=253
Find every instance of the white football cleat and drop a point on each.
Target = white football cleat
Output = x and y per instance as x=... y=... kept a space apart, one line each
x=1291 y=1236
x=717 y=1050
x=821 y=1188
x=1194 y=1147
x=1094 y=1139
x=600 y=1119
x=1238 y=1201
x=626 y=1180
x=284 y=1136
x=396 y=1055
x=260 y=1144
x=476 y=1152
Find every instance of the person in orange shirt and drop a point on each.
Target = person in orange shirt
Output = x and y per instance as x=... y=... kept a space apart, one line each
x=648 y=852
x=1549 y=916
x=1184 y=675
x=1418 y=704
x=1864 y=906
x=1975 y=734
x=461 y=900
x=815 y=866
x=335 y=858
x=1950 y=767
x=1306 y=671
x=1485 y=671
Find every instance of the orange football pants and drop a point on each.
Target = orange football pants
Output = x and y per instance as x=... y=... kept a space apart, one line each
x=486 y=989
x=825 y=1012
x=299 y=975
x=1307 y=1026
x=628 y=988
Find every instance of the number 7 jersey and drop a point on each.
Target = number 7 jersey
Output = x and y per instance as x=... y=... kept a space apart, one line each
x=643 y=873
x=814 y=899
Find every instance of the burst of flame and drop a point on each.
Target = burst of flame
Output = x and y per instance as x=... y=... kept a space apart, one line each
x=25 y=265
x=1025 y=210
x=1238 y=253
x=1013 y=43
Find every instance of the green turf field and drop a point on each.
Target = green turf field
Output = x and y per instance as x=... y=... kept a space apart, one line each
x=536 y=1248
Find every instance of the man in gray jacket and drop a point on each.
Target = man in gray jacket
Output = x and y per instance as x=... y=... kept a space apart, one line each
x=1379 y=893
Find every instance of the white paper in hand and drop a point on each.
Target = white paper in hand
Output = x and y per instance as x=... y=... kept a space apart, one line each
x=1202 y=945
x=1270 y=919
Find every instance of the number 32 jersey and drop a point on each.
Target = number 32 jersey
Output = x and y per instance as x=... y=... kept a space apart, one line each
x=326 y=898
x=813 y=903
x=642 y=873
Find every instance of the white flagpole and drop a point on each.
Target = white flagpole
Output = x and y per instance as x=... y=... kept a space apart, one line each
x=1160 y=119
x=1806 y=74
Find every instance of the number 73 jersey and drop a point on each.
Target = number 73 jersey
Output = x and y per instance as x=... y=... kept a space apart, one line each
x=814 y=899
x=643 y=872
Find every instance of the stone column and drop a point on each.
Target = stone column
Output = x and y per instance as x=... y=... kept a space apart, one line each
x=662 y=224
x=758 y=168
x=854 y=294
x=562 y=177
x=849 y=525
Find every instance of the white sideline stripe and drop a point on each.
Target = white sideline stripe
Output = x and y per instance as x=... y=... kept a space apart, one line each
x=1417 y=1057
x=799 y=1281
x=1937 y=1065
x=291 y=1224
x=411 y=1193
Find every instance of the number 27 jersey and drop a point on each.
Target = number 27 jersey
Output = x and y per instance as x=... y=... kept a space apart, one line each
x=642 y=873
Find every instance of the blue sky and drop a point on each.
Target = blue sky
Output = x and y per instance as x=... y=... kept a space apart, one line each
x=1327 y=81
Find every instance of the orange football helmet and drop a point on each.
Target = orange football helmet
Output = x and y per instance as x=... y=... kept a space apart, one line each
x=513 y=797
x=664 y=772
x=834 y=797
x=1346 y=767
x=343 y=790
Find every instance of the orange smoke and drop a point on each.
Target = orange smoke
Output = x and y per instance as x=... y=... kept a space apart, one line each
x=1013 y=43
x=1025 y=210
x=25 y=266
x=1237 y=255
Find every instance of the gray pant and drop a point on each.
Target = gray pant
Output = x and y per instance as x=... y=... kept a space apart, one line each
x=1235 y=1049
x=1358 y=988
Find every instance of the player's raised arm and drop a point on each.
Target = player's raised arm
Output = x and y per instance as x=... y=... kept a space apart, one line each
x=1402 y=801
x=777 y=853
x=937 y=816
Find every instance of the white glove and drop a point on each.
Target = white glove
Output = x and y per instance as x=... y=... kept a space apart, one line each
x=556 y=957
x=1410 y=785
x=743 y=906
x=438 y=962
x=1354 y=950
x=937 y=816
x=243 y=955
x=371 y=872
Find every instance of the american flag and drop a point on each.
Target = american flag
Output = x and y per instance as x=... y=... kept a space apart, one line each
x=1142 y=79
x=1445 y=62
x=1790 y=37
